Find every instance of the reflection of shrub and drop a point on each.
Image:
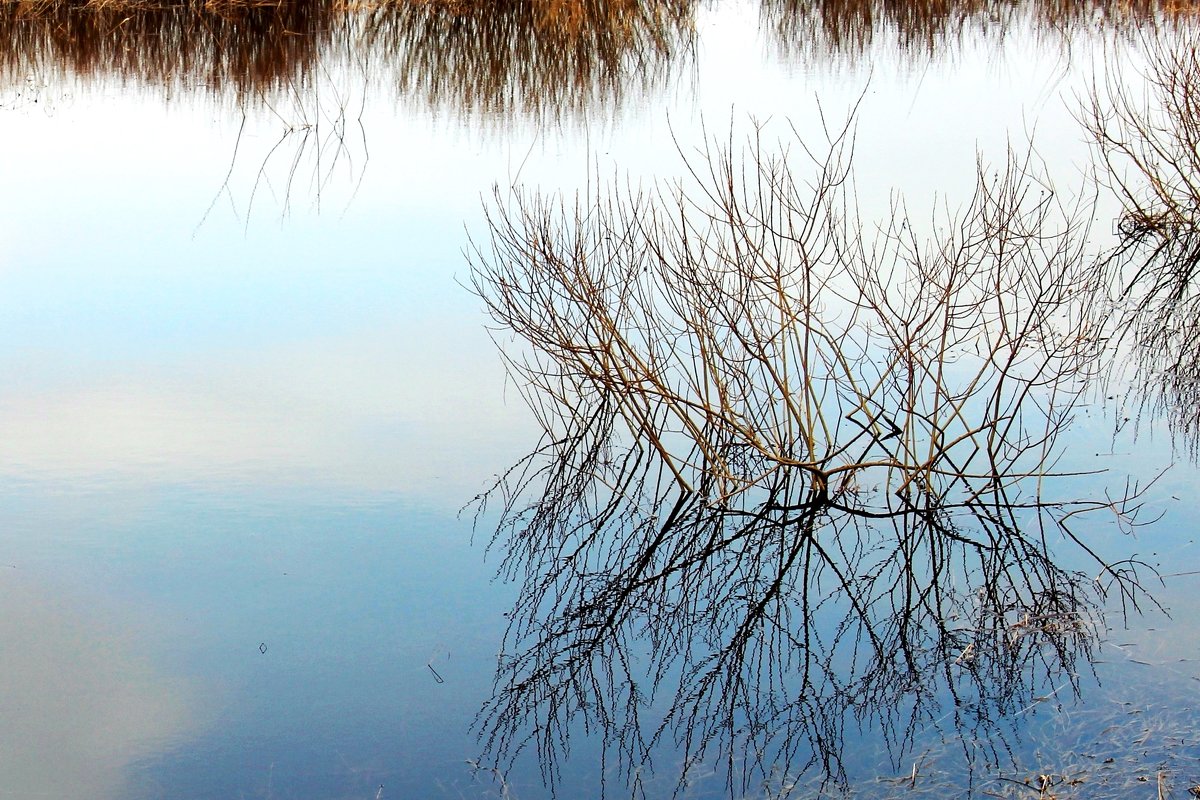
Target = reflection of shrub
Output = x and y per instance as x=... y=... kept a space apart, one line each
x=1147 y=136
x=792 y=471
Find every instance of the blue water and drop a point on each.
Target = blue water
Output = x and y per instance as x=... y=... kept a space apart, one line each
x=243 y=398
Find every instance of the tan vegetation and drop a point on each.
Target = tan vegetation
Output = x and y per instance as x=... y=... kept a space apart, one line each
x=539 y=56
x=927 y=26
x=544 y=57
x=242 y=47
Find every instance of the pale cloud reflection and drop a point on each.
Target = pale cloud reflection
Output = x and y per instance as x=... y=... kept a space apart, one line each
x=79 y=707
x=417 y=412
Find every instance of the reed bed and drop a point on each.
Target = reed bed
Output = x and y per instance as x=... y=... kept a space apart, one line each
x=544 y=57
x=241 y=47
x=828 y=28
x=551 y=58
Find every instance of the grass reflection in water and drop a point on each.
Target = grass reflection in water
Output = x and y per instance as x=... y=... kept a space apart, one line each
x=925 y=26
x=544 y=58
x=547 y=58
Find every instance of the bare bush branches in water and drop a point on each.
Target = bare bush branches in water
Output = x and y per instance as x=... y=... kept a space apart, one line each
x=1147 y=137
x=794 y=473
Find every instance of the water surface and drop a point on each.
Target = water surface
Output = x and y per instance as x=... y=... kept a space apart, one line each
x=244 y=391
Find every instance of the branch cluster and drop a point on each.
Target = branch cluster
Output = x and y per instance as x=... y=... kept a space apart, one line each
x=1147 y=140
x=794 y=470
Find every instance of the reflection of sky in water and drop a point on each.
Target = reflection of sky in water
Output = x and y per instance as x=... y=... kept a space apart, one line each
x=77 y=699
x=258 y=431
x=312 y=350
x=305 y=628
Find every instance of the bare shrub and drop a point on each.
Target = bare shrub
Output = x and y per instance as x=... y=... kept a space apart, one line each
x=794 y=472
x=1147 y=139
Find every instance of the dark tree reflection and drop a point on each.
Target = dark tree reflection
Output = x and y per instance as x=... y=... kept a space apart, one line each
x=795 y=475
x=1146 y=129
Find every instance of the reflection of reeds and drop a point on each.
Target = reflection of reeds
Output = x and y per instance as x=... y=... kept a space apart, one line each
x=924 y=26
x=246 y=46
x=549 y=58
x=531 y=56
x=523 y=56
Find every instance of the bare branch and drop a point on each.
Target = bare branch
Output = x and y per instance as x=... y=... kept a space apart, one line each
x=794 y=475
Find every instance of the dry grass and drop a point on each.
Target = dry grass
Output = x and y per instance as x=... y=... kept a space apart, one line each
x=546 y=56
x=243 y=48
x=543 y=57
x=1133 y=735
x=926 y=26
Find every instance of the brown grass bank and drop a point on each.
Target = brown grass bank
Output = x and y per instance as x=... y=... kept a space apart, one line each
x=847 y=27
x=548 y=57
x=472 y=56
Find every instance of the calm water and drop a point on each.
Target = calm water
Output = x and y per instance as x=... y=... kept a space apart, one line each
x=244 y=392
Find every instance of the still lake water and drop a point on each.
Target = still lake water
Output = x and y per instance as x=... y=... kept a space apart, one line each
x=244 y=393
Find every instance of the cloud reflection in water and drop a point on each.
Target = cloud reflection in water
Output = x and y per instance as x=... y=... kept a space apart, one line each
x=79 y=704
